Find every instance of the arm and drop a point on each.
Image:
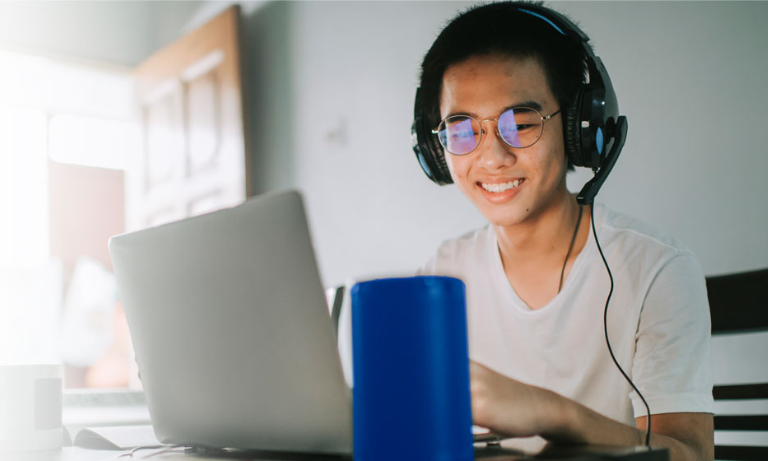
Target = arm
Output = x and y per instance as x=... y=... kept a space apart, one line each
x=542 y=412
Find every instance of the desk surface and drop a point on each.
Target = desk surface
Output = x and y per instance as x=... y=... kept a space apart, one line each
x=575 y=453
x=83 y=454
x=584 y=453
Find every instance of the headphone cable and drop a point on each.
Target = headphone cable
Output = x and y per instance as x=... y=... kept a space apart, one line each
x=607 y=341
x=570 y=248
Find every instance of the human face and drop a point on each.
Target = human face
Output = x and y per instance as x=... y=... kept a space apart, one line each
x=483 y=86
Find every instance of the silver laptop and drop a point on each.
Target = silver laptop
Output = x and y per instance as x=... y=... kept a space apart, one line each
x=230 y=326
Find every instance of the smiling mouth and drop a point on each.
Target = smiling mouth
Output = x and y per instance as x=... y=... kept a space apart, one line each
x=501 y=187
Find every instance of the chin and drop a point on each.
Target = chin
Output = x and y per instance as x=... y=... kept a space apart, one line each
x=504 y=216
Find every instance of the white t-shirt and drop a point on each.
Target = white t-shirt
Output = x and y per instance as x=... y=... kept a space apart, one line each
x=658 y=320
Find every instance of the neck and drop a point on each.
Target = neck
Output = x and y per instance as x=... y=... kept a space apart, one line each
x=544 y=237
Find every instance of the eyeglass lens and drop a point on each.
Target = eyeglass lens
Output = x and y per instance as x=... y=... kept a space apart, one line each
x=519 y=127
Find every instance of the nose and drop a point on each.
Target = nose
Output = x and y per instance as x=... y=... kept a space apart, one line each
x=493 y=153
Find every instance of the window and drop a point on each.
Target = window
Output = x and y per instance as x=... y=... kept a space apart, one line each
x=67 y=132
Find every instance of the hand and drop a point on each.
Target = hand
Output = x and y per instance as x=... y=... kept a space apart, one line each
x=509 y=407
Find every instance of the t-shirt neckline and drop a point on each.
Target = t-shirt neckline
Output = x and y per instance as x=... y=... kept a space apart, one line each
x=509 y=292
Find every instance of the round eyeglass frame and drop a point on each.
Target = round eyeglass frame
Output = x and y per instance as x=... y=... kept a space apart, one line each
x=543 y=118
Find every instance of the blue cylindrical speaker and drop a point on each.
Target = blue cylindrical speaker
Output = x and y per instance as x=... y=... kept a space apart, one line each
x=411 y=370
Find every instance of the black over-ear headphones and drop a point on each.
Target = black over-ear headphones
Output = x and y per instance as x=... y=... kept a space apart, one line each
x=592 y=124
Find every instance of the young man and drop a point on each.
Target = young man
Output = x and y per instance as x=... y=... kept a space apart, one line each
x=496 y=88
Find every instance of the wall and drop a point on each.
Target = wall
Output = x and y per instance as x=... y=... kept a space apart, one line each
x=120 y=33
x=372 y=210
x=337 y=83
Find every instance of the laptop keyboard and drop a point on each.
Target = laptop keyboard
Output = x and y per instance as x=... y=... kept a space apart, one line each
x=103 y=407
x=103 y=398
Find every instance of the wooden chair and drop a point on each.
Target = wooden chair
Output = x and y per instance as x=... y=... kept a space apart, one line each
x=738 y=305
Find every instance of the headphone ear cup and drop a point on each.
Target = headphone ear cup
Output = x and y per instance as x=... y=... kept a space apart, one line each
x=444 y=176
x=429 y=154
x=572 y=130
x=428 y=150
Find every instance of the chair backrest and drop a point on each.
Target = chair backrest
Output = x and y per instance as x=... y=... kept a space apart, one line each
x=738 y=305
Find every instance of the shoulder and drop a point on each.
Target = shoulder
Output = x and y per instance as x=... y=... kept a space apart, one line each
x=459 y=253
x=664 y=273
x=636 y=239
x=629 y=228
x=642 y=257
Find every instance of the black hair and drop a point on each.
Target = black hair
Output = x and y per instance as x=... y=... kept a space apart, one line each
x=502 y=28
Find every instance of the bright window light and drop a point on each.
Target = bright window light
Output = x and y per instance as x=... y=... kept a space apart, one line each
x=92 y=141
x=25 y=80
x=106 y=93
x=23 y=187
x=52 y=110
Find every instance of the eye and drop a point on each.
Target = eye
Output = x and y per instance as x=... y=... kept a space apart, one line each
x=462 y=134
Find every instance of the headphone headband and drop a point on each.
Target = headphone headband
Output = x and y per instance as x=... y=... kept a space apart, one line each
x=559 y=22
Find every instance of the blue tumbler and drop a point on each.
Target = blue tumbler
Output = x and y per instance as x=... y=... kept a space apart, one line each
x=411 y=396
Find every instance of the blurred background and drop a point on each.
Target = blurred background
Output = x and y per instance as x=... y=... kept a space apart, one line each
x=116 y=116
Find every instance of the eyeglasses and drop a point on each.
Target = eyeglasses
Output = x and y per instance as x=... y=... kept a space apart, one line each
x=518 y=127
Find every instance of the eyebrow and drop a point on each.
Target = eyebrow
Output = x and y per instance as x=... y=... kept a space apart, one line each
x=530 y=103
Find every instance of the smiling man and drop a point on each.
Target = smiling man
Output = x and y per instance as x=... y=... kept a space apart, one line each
x=498 y=114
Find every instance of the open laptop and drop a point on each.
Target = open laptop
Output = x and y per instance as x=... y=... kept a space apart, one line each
x=230 y=326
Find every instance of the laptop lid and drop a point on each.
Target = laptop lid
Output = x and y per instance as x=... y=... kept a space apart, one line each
x=231 y=331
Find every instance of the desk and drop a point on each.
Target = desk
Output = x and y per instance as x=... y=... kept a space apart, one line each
x=575 y=453
x=550 y=453
x=83 y=454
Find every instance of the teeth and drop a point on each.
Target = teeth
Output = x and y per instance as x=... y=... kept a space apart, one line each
x=495 y=187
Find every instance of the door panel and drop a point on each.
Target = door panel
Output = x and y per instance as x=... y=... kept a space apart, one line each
x=194 y=157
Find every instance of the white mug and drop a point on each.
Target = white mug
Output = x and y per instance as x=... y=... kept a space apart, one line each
x=30 y=407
